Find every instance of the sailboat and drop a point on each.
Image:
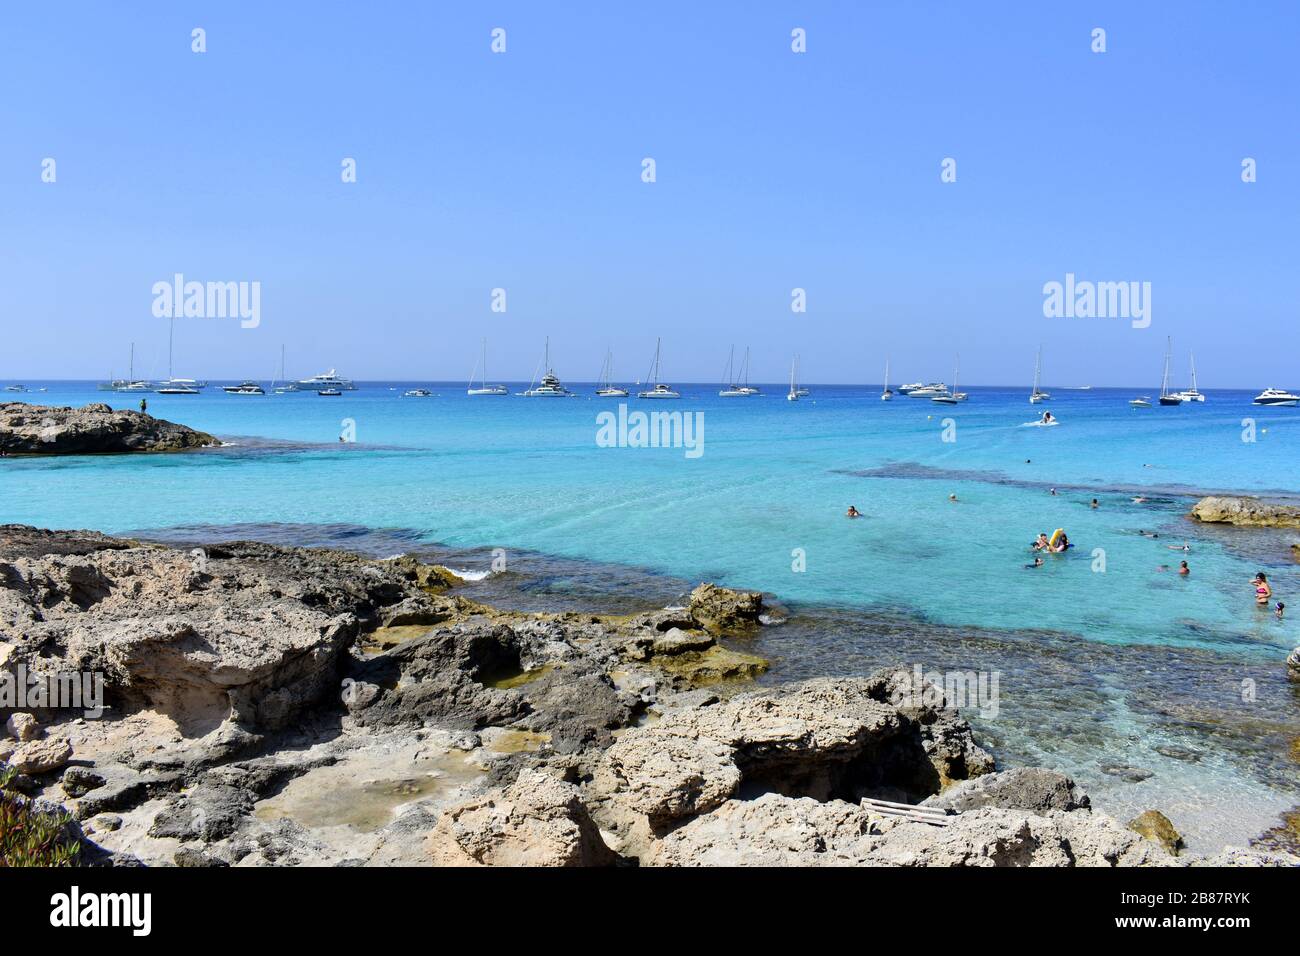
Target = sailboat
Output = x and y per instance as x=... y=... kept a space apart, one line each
x=288 y=386
x=732 y=388
x=484 y=388
x=660 y=390
x=129 y=384
x=550 y=386
x=1038 y=395
x=793 y=395
x=1191 y=394
x=953 y=397
x=173 y=385
x=606 y=388
x=1167 y=397
x=887 y=395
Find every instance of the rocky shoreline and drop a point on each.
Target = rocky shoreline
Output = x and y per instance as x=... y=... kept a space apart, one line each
x=286 y=706
x=94 y=429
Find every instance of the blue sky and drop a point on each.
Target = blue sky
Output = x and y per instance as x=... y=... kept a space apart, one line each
x=775 y=170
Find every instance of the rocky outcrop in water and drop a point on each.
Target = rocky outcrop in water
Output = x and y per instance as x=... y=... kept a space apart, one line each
x=92 y=429
x=1252 y=512
x=285 y=706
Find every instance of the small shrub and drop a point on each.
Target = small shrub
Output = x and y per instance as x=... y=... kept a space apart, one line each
x=30 y=838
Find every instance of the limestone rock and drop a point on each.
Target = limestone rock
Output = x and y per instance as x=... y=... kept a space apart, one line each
x=92 y=429
x=1031 y=789
x=40 y=756
x=1247 y=511
x=722 y=611
x=536 y=821
x=22 y=726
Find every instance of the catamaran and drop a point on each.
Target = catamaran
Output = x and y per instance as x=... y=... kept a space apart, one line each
x=607 y=389
x=732 y=388
x=1167 y=397
x=550 y=386
x=1276 y=396
x=660 y=390
x=1038 y=395
x=326 y=381
x=1191 y=394
x=484 y=388
x=953 y=397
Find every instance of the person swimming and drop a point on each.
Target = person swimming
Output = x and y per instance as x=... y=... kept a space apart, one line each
x=1183 y=568
x=853 y=512
x=1262 y=590
x=1184 y=547
x=952 y=497
x=1042 y=543
x=1038 y=563
x=1140 y=500
x=1047 y=418
x=1148 y=534
x=1062 y=543
x=1094 y=504
x=1279 y=610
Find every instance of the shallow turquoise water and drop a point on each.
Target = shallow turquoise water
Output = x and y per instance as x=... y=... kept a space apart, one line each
x=774 y=477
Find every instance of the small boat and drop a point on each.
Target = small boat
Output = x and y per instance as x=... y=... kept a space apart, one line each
x=1276 y=396
x=660 y=390
x=887 y=395
x=953 y=397
x=550 y=386
x=606 y=388
x=484 y=388
x=244 y=388
x=417 y=393
x=15 y=388
x=907 y=389
x=1167 y=397
x=174 y=385
x=793 y=394
x=1038 y=395
x=927 y=391
x=733 y=388
x=1141 y=402
x=329 y=392
x=1191 y=394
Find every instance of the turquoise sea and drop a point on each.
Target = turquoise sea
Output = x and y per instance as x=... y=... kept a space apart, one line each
x=1109 y=674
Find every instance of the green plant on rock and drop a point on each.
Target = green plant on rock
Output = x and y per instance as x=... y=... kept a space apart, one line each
x=31 y=838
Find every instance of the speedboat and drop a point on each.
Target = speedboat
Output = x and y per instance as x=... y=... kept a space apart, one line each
x=1277 y=396
x=178 y=386
x=329 y=392
x=15 y=388
x=907 y=389
x=417 y=393
x=660 y=390
x=928 y=391
x=244 y=388
x=330 y=380
x=1141 y=402
x=125 y=386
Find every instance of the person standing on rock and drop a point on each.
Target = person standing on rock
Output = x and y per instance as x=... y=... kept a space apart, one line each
x=144 y=405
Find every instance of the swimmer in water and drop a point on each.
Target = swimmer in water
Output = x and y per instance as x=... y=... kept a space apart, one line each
x=1062 y=543
x=1042 y=543
x=853 y=512
x=1262 y=591
x=1140 y=500
x=1094 y=504
x=952 y=497
x=1184 y=547
x=1052 y=492
x=1183 y=568
x=1279 y=610
x=1047 y=418
x=1038 y=563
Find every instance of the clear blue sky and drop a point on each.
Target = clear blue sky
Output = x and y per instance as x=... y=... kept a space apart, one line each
x=775 y=170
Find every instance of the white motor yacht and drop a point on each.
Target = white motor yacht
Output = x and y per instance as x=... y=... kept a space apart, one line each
x=1277 y=396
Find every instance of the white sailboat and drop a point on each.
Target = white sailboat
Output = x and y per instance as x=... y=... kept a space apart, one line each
x=173 y=385
x=1191 y=394
x=887 y=395
x=793 y=394
x=484 y=388
x=606 y=388
x=733 y=388
x=953 y=397
x=550 y=386
x=660 y=390
x=288 y=386
x=1167 y=397
x=1038 y=395
x=130 y=383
